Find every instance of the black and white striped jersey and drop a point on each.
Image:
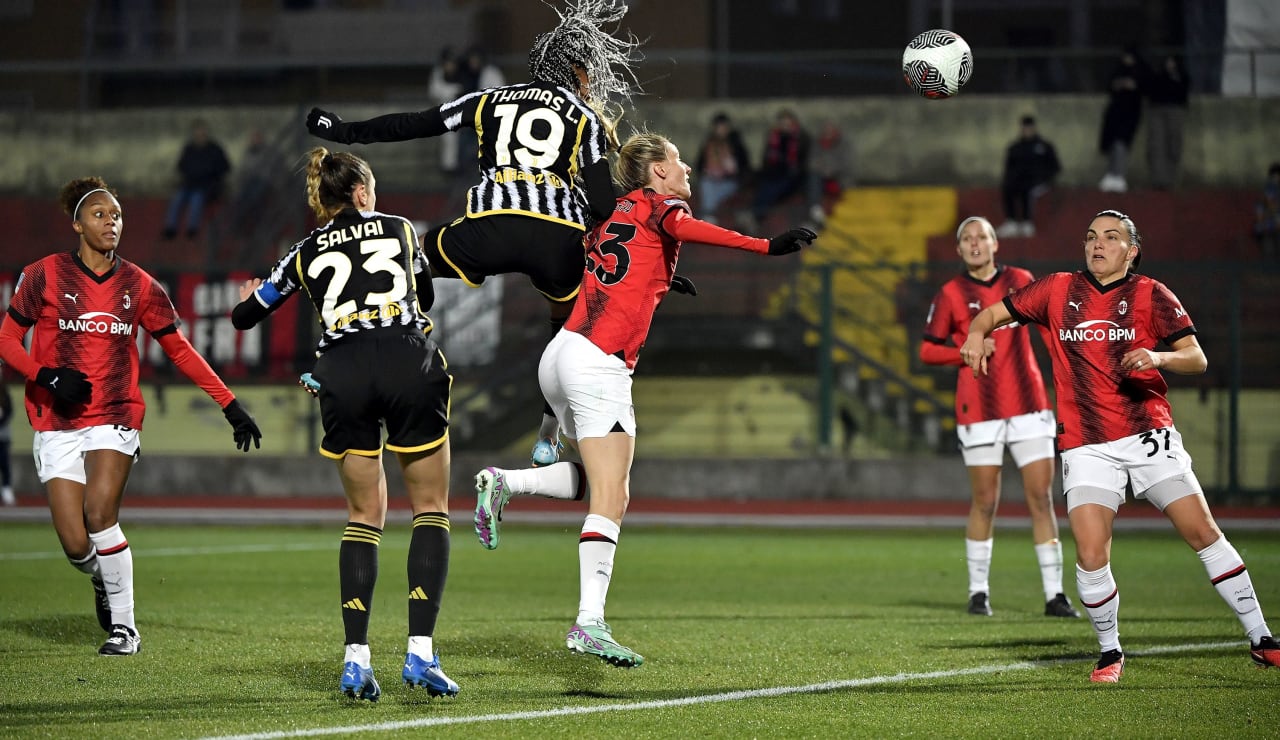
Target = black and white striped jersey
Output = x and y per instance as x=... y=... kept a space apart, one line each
x=363 y=271
x=534 y=141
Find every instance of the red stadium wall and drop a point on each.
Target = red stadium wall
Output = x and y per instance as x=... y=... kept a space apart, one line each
x=1177 y=226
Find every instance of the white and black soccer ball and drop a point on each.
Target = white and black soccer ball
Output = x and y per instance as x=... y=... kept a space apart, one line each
x=937 y=63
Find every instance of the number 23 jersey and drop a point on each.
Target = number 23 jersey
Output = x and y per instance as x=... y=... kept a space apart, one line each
x=362 y=271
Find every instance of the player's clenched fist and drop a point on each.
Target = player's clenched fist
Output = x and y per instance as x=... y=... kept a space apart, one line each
x=326 y=125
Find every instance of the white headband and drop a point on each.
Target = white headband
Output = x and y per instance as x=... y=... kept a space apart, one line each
x=76 y=212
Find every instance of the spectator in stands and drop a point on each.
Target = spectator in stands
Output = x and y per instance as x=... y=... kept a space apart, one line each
x=85 y=309
x=1120 y=119
x=485 y=74
x=1007 y=410
x=1116 y=429
x=723 y=166
x=202 y=171
x=829 y=169
x=447 y=83
x=377 y=368
x=6 y=438
x=586 y=370
x=784 y=167
x=849 y=428
x=261 y=167
x=1166 y=116
x=1030 y=164
x=1266 y=225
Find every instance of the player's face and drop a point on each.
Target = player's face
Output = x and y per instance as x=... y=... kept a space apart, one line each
x=977 y=246
x=100 y=222
x=675 y=174
x=1107 y=251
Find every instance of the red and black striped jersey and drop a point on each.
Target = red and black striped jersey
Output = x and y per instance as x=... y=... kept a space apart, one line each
x=631 y=257
x=1090 y=328
x=89 y=322
x=1013 y=385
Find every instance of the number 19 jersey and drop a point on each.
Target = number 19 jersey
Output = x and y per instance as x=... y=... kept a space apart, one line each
x=534 y=139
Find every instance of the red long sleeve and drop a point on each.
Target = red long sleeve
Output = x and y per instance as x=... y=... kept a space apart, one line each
x=932 y=353
x=680 y=225
x=192 y=365
x=12 y=351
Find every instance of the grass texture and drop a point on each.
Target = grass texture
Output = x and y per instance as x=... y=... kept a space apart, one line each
x=746 y=633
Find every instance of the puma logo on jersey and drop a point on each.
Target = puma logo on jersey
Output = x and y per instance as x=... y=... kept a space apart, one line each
x=72 y=296
x=1074 y=305
x=975 y=305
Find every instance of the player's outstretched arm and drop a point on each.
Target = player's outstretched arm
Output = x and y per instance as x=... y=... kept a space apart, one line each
x=791 y=241
x=329 y=126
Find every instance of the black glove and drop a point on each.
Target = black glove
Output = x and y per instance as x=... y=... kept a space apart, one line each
x=791 y=241
x=66 y=384
x=245 y=429
x=682 y=284
x=328 y=126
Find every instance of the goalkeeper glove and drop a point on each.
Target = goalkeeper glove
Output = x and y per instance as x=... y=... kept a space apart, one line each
x=245 y=430
x=66 y=384
x=791 y=241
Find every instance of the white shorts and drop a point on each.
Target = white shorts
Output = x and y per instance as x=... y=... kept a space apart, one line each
x=1140 y=461
x=61 y=454
x=1029 y=437
x=589 y=390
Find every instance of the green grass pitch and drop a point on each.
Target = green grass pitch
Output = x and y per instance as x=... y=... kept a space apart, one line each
x=746 y=633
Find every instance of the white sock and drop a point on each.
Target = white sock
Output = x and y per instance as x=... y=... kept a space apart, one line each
x=1232 y=582
x=1049 y=554
x=1101 y=599
x=358 y=654
x=87 y=564
x=549 y=428
x=115 y=562
x=563 y=480
x=596 y=547
x=421 y=647
x=978 y=554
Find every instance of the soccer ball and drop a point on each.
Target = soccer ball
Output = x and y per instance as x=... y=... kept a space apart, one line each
x=937 y=63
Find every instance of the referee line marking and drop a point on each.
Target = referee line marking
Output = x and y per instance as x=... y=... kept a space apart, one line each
x=729 y=696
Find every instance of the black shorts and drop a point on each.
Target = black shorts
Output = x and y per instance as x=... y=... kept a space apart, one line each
x=394 y=376
x=475 y=247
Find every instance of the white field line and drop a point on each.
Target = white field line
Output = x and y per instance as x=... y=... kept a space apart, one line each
x=729 y=696
x=168 y=552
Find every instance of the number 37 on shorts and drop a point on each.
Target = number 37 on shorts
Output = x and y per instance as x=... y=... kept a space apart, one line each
x=1142 y=459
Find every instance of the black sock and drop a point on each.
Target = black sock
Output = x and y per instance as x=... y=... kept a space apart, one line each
x=428 y=570
x=357 y=574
